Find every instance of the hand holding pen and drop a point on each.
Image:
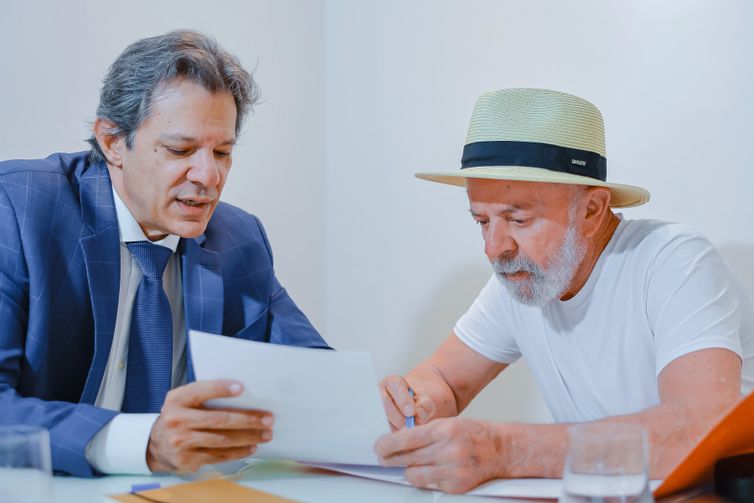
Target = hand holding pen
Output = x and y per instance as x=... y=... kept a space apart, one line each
x=404 y=406
x=410 y=419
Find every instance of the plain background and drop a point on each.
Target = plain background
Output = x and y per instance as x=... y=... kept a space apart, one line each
x=357 y=96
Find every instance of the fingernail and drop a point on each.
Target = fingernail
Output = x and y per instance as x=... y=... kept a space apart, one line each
x=267 y=421
x=432 y=485
x=407 y=410
x=266 y=434
x=235 y=388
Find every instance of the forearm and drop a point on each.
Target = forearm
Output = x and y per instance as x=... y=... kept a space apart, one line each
x=675 y=428
x=71 y=426
x=427 y=380
x=453 y=376
x=531 y=450
x=539 y=450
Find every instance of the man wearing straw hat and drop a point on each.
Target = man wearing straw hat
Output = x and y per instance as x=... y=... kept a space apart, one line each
x=620 y=320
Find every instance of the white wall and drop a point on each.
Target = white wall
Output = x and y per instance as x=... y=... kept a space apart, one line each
x=360 y=95
x=53 y=56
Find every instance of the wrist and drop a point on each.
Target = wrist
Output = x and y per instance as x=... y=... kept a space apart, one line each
x=121 y=446
x=151 y=461
x=506 y=443
x=429 y=382
x=533 y=450
x=154 y=462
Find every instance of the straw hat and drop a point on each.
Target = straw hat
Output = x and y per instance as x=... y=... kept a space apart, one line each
x=538 y=135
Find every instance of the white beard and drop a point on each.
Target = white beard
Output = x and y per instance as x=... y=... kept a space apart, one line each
x=543 y=284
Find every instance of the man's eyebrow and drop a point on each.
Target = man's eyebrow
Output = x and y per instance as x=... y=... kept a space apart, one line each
x=190 y=139
x=512 y=208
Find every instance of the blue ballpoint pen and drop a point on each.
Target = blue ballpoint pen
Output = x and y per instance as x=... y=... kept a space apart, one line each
x=410 y=419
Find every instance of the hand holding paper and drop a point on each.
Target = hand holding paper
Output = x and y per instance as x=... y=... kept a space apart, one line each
x=325 y=403
x=187 y=436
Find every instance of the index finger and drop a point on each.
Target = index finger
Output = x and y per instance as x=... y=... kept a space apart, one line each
x=405 y=440
x=398 y=390
x=228 y=419
x=196 y=393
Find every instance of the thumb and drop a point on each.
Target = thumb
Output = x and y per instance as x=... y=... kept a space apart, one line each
x=425 y=409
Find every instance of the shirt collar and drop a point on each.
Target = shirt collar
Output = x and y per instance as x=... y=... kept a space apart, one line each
x=130 y=230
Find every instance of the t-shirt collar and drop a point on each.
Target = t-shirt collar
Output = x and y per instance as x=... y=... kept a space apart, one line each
x=586 y=290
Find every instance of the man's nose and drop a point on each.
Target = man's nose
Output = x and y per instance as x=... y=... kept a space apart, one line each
x=499 y=243
x=204 y=170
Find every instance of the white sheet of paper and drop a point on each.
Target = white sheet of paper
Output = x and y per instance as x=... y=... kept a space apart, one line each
x=326 y=404
x=502 y=488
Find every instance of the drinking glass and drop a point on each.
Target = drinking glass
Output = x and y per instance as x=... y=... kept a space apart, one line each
x=25 y=465
x=606 y=463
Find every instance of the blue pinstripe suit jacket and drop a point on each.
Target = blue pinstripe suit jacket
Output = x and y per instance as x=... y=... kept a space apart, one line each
x=59 y=285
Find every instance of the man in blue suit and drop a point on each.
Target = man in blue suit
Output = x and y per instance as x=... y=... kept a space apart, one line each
x=108 y=257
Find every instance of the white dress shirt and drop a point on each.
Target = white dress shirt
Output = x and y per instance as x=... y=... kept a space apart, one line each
x=120 y=447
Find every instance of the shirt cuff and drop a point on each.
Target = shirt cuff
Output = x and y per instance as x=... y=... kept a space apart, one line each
x=121 y=446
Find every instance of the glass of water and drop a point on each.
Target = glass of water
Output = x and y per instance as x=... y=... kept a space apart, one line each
x=606 y=463
x=25 y=465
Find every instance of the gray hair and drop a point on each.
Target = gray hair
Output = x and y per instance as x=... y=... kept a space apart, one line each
x=150 y=63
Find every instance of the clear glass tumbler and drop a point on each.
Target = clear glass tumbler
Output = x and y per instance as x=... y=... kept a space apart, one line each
x=25 y=465
x=606 y=463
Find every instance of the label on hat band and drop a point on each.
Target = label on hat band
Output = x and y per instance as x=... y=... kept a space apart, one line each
x=534 y=155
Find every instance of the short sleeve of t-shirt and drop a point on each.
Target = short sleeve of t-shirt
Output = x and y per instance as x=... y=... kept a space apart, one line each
x=692 y=299
x=485 y=328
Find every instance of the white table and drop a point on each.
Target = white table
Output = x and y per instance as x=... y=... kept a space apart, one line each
x=297 y=482
x=288 y=479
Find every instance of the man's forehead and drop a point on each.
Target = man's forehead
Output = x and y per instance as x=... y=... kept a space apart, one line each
x=516 y=194
x=510 y=208
x=177 y=90
x=185 y=113
x=184 y=138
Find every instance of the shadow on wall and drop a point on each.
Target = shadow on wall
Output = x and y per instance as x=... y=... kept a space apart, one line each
x=740 y=258
x=514 y=395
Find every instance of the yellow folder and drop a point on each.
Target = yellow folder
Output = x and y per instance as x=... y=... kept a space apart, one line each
x=201 y=492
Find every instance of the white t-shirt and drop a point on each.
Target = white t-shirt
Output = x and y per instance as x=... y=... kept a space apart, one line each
x=658 y=291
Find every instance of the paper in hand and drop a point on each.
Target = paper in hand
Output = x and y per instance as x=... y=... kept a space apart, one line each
x=326 y=404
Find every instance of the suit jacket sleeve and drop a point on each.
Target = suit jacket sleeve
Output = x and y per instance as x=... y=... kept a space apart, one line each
x=71 y=425
x=286 y=323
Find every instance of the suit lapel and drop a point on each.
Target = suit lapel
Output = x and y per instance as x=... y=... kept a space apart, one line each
x=202 y=286
x=101 y=251
x=202 y=291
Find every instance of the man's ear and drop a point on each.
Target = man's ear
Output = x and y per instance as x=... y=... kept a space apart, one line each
x=597 y=209
x=111 y=145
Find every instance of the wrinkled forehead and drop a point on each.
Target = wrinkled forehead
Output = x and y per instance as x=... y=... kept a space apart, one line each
x=516 y=194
